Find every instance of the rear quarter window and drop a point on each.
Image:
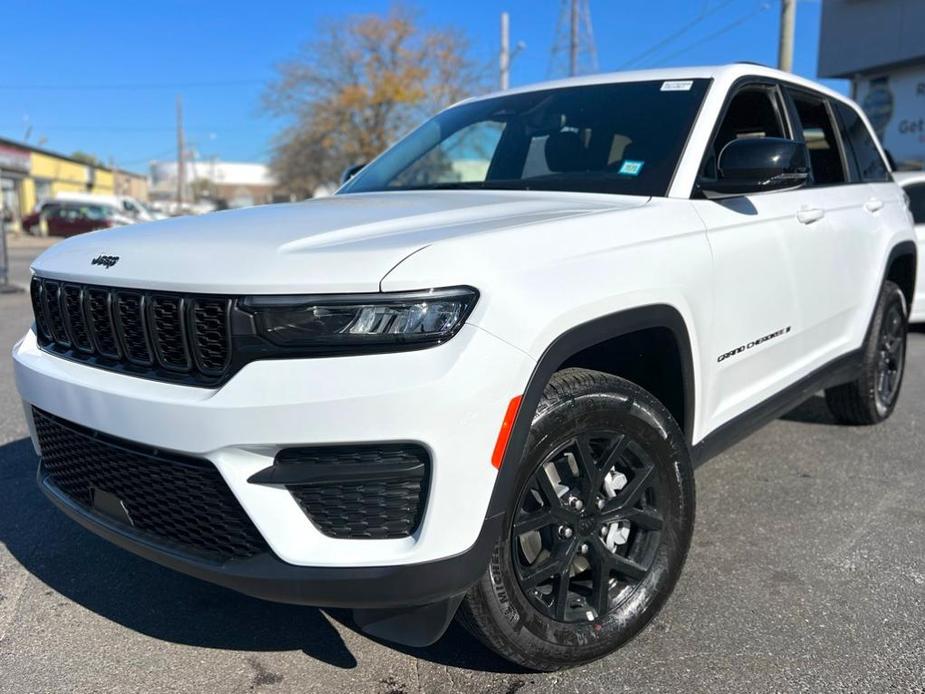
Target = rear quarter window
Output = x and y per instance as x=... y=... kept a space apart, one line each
x=860 y=144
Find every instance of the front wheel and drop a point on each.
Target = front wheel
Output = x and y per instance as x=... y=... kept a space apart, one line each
x=599 y=528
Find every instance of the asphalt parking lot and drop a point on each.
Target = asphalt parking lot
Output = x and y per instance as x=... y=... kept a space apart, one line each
x=806 y=574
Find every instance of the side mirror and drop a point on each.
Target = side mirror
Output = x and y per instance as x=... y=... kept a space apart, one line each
x=351 y=171
x=758 y=165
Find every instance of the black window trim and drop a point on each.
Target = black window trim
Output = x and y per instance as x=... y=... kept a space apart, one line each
x=747 y=81
x=873 y=138
x=915 y=183
x=789 y=89
x=854 y=165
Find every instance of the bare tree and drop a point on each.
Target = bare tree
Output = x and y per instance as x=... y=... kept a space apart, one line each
x=365 y=81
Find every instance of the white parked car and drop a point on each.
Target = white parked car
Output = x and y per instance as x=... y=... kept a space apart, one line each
x=477 y=379
x=126 y=205
x=913 y=183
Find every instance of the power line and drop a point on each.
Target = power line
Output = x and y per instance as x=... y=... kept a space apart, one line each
x=131 y=86
x=716 y=34
x=146 y=160
x=134 y=129
x=705 y=12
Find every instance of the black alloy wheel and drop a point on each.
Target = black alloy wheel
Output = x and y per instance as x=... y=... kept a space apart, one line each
x=599 y=524
x=891 y=356
x=587 y=526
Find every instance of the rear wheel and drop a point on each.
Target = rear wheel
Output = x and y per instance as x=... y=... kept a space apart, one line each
x=599 y=528
x=872 y=398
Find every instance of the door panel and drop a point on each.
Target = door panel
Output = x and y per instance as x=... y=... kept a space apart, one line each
x=834 y=267
x=757 y=345
x=830 y=263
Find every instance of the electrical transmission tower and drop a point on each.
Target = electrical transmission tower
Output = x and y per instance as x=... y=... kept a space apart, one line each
x=574 y=52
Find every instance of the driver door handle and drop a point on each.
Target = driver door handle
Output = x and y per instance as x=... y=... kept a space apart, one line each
x=808 y=215
x=873 y=204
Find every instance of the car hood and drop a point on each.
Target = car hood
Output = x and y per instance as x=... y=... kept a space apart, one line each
x=345 y=243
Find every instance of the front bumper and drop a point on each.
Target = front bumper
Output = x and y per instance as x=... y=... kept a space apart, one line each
x=451 y=399
x=267 y=577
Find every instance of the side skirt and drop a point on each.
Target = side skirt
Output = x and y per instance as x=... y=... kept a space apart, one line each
x=843 y=370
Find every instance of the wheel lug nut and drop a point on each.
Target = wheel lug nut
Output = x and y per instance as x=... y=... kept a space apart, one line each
x=603 y=531
x=584 y=548
x=565 y=531
x=600 y=504
x=576 y=503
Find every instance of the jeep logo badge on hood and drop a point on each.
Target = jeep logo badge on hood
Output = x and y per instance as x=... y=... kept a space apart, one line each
x=106 y=261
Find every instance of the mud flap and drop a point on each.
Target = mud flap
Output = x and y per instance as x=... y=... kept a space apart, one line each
x=417 y=626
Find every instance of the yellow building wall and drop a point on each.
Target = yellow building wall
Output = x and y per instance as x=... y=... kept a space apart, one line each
x=65 y=176
x=27 y=197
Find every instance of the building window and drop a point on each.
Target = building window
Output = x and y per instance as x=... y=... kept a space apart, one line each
x=42 y=190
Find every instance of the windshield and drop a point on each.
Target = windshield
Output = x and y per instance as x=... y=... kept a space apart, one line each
x=608 y=138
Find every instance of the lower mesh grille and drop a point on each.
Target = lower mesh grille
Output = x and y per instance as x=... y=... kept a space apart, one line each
x=367 y=492
x=175 y=501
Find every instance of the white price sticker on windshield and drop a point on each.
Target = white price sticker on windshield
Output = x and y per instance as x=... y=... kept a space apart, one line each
x=677 y=85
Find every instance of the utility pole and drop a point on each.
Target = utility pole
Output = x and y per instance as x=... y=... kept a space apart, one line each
x=574 y=51
x=4 y=257
x=504 y=57
x=181 y=167
x=788 y=20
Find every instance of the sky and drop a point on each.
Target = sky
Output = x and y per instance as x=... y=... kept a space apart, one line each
x=103 y=77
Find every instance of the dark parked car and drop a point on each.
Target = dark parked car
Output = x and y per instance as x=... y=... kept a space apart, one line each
x=62 y=218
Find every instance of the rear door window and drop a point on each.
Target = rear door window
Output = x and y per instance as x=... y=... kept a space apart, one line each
x=821 y=139
x=861 y=145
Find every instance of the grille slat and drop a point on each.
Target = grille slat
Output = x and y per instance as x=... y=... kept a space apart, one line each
x=211 y=344
x=130 y=326
x=159 y=335
x=52 y=302
x=36 y=291
x=178 y=502
x=168 y=332
x=75 y=318
x=99 y=313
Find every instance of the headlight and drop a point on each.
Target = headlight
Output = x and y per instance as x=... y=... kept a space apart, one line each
x=354 y=323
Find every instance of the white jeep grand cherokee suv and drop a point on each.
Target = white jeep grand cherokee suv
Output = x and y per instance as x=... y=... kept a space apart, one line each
x=477 y=380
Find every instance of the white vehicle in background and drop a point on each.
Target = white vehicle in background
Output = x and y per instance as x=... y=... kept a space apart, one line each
x=913 y=183
x=126 y=205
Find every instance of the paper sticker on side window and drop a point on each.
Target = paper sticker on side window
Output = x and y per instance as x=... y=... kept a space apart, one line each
x=677 y=85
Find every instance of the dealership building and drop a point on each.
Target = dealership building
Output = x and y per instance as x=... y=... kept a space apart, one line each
x=880 y=46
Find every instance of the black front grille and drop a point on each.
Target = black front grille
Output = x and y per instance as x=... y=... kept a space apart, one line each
x=175 y=337
x=175 y=501
x=365 y=492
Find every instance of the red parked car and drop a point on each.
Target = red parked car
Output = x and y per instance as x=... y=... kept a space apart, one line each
x=63 y=218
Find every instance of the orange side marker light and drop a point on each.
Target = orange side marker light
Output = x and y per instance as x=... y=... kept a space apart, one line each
x=504 y=435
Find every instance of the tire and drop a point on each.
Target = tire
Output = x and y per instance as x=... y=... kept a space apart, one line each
x=872 y=397
x=626 y=466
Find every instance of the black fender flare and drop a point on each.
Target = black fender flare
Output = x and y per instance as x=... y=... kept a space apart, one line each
x=901 y=250
x=559 y=351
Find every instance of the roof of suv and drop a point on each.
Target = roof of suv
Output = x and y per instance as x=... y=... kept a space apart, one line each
x=726 y=74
